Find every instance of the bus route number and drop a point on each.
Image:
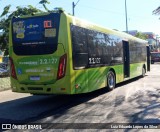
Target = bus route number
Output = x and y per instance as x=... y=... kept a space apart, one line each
x=48 y=61
x=94 y=60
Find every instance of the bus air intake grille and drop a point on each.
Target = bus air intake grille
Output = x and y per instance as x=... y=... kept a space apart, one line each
x=35 y=88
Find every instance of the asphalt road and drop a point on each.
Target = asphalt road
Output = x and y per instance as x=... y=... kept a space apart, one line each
x=135 y=101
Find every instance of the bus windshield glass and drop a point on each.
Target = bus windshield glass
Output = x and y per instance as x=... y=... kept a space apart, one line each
x=35 y=35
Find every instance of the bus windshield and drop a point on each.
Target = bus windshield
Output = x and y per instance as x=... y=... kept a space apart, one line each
x=35 y=35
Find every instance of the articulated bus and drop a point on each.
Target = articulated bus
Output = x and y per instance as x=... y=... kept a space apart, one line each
x=57 y=53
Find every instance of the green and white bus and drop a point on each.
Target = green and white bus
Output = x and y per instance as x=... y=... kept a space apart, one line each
x=57 y=53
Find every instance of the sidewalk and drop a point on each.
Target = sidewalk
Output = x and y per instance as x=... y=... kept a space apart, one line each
x=4 y=84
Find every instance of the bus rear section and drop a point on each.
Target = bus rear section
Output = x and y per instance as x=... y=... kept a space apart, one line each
x=38 y=55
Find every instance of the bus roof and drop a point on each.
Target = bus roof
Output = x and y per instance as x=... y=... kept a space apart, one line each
x=87 y=24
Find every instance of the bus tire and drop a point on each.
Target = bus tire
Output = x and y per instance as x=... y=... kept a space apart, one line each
x=111 y=80
x=143 y=72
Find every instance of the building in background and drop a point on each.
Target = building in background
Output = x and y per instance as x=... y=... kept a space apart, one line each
x=152 y=41
x=152 y=38
x=133 y=32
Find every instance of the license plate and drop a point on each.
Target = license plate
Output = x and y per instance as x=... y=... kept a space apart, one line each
x=34 y=78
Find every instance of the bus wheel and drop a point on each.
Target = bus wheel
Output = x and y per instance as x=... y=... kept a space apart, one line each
x=143 y=72
x=111 y=81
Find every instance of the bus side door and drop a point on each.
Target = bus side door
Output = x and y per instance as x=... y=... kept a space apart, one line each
x=126 y=59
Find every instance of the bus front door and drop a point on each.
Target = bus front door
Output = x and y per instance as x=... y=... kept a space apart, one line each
x=126 y=59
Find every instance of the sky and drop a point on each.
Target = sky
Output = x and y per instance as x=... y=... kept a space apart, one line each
x=107 y=13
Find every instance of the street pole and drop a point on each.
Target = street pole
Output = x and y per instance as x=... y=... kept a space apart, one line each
x=73 y=6
x=126 y=16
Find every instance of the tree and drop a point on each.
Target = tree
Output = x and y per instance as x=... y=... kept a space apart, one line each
x=6 y=17
x=141 y=35
x=44 y=2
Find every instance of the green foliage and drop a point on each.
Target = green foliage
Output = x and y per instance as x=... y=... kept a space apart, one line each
x=6 y=17
x=44 y=2
x=6 y=10
x=141 y=35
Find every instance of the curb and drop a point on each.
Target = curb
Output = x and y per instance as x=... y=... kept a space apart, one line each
x=4 y=89
x=5 y=84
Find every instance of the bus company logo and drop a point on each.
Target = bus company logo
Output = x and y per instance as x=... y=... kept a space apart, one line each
x=47 y=24
x=32 y=26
